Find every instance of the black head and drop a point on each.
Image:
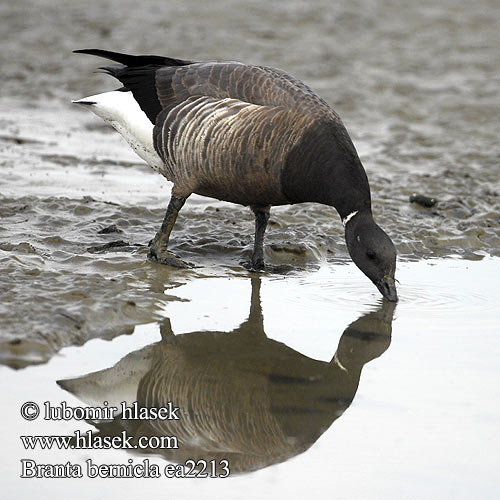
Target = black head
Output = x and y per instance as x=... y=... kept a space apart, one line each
x=373 y=252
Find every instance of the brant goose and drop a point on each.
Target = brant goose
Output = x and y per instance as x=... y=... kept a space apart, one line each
x=247 y=134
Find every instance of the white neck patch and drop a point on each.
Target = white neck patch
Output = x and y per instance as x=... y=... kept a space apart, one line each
x=338 y=363
x=346 y=219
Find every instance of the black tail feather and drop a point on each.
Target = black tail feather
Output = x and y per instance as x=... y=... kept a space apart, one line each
x=114 y=70
x=134 y=61
x=137 y=74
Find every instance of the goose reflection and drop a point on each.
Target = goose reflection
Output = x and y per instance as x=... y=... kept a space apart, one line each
x=243 y=397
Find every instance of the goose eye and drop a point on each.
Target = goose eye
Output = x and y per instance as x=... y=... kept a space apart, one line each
x=370 y=254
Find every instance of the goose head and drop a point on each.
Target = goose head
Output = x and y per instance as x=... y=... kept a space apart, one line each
x=372 y=251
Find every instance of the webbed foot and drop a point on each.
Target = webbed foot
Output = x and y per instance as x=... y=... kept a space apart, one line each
x=257 y=265
x=159 y=253
x=253 y=266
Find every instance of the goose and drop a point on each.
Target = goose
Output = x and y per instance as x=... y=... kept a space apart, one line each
x=246 y=134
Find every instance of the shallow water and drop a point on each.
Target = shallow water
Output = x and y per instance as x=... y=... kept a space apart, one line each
x=417 y=86
x=423 y=422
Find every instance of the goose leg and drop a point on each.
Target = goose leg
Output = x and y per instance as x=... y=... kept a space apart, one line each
x=261 y=217
x=167 y=334
x=158 y=251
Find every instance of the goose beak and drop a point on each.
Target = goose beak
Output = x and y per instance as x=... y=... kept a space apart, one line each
x=387 y=288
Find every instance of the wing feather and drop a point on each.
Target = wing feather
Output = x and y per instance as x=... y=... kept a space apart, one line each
x=159 y=82
x=251 y=84
x=227 y=148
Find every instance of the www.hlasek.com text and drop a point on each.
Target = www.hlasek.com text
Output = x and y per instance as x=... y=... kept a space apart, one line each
x=88 y=440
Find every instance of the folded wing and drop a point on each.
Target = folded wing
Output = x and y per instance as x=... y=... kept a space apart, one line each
x=159 y=82
x=203 y=137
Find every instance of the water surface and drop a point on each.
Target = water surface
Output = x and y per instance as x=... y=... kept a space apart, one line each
x=426 y=402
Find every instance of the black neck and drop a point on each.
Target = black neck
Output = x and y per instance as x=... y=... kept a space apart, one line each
x=325 y=168
x=354 y=220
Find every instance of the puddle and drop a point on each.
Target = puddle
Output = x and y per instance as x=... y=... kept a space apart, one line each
x=336 y=385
